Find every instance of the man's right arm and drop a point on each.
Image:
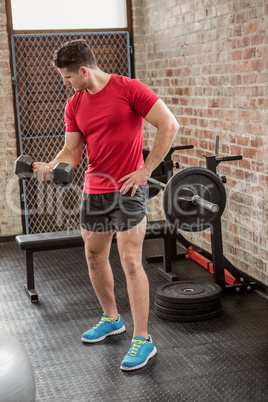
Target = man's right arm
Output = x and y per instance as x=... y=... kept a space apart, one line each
x=71 y=153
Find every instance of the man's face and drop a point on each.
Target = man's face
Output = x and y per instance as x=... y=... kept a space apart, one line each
x=74 y=79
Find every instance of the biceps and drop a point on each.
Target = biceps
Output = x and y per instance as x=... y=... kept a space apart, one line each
x=160 y=115
x=74 y=142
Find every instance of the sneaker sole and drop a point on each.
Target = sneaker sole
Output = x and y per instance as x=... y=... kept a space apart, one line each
x=116 y=332
x=152 y=354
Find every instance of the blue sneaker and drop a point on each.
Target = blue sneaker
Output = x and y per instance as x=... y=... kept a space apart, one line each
x=107 y=326
x=138 y=355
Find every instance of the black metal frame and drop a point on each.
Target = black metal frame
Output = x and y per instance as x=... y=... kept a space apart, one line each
x=220 y=263
x=170 y=238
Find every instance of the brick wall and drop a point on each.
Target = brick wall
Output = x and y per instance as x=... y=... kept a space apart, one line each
x=10 y=218
x=208 y=61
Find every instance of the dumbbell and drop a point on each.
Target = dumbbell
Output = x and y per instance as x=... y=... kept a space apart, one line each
x=62 y=174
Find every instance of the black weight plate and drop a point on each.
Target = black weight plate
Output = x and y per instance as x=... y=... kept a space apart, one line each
x=154 y=189
x=23 y=167
x=184 y=214
x=187 y=306
x=188 y=318
x=188 y=292
x=190 y=312
x=62 y=174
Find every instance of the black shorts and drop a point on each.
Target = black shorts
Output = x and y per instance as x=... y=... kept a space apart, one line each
x=113 y=211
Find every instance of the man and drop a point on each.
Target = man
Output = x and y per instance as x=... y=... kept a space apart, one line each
x=108 y=112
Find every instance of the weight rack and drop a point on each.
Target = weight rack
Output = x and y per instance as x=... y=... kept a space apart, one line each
x=225 y=274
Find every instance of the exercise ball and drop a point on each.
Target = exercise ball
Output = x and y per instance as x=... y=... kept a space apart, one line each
x=17 y=382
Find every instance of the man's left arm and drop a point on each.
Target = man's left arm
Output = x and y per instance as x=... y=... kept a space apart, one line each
x=167 y=127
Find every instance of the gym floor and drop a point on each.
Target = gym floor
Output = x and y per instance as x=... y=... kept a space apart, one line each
x=222 y=359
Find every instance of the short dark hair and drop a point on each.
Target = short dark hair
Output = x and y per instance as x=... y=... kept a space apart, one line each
x=74 y=54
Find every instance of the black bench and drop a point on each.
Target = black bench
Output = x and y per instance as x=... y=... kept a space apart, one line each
x=32 y=243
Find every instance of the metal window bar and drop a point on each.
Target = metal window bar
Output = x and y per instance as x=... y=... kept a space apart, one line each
x=40 y=101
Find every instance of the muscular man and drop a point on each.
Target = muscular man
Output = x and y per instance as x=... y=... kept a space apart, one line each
x=107 y=111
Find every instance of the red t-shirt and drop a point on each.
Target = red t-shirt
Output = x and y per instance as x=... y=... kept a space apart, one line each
x=112 y=124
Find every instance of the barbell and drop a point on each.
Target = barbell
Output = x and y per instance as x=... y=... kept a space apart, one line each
x=193 y=198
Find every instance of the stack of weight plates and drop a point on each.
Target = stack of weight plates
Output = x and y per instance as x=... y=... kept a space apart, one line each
x=188 y=301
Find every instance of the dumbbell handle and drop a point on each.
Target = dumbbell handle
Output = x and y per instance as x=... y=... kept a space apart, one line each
x=25 y=174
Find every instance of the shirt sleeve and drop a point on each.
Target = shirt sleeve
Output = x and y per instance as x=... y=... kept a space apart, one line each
x=70 y=123
x=142 y=97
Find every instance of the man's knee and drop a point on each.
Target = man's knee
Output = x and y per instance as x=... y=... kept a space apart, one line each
x=97 y=248
x=95 y=260
x=130 y=263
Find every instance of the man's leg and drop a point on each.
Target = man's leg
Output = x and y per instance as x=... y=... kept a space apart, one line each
x=97 y=250
x=130 y=249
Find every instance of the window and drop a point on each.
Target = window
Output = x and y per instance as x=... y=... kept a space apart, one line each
x=68 y=14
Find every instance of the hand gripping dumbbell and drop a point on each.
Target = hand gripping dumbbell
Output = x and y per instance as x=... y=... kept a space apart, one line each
x=62 y=174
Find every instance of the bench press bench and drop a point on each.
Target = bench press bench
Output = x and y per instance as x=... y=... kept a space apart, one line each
x=32 y=243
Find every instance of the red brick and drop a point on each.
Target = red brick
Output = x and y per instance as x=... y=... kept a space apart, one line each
x=243 y=141
x=169 y=73
x=236 y=80
x=261 y=154
x=231 y=43
x=249 y=153
x=263 y=78
x=256 y=116
x=224 y=103
x=250 y=27
x=230 y=114
x=257 y=166
x=187 y=91
x=245 y=164
x=257 y=91
x=258 y=39
x=256 y=65
x=244 y=115
x=207 y=91
x=213 y=103
x=236 y=150
x=263 y=103
x=242 y=17
x=224 y=8
x=243 y=91
x=236 y=55
x=249 y=53
x=243 y=42
x=243 y=67
x=236 y=30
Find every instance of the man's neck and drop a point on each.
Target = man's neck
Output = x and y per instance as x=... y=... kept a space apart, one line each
x=97 y=81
